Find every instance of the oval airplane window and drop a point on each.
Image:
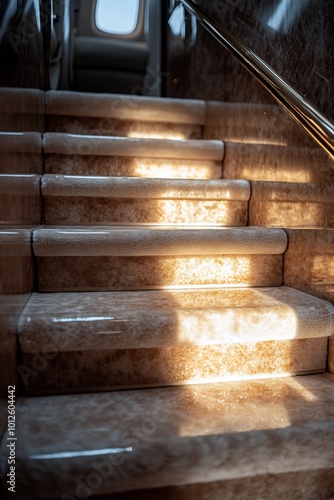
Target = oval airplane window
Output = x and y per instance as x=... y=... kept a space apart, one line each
x=117 y=17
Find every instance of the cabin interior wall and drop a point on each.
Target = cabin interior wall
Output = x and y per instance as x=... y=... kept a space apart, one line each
x=23 y=80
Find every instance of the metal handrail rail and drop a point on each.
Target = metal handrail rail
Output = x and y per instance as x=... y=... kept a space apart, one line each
x=301 y=109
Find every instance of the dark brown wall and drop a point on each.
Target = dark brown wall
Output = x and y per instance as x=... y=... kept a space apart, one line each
x=23 y=79
x=299 y=47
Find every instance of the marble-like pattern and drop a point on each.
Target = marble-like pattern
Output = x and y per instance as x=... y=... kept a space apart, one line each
x=80 y=210
x=136 y=273
x=132 y=167
x=91 y=370
x=263 y=162
x=123 y=128
x=305 y=485
x=133 y=258
x=166 y=318
x=289 y=204
x=121 y=441
x=79 y=342
x=309 y=261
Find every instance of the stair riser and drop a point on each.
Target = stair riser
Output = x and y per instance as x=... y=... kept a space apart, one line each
x=291 y=214
x=309 y=262
x=331 y=355
x=123 y=128
x=277 y=163
x=126 y=273
x=81 y=210
x=253 y=124
x=286 y=204
x=125 y=107
x=50 y=373
x=132 y=167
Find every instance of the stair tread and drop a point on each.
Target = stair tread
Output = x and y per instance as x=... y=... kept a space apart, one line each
x=172 y=436
x=190 y=111
x=148 y=319
x=89 y=145
x=139 y=240
x=122 y=187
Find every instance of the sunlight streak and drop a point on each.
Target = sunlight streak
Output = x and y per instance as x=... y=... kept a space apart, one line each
x=172 y=136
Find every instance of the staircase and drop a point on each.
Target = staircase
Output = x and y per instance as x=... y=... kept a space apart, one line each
x=163 y=354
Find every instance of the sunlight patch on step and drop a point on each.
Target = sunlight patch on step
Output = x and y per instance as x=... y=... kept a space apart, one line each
x=256 y=172
x=268 y=404
x=278 y=321
x=255 y=140
x=232 y=327
x=167 y=170
x=230 y=269
x=171 y=136
x=280 y=318
x=191 y=211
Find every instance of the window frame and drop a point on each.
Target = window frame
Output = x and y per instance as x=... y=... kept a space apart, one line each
x=138 y=31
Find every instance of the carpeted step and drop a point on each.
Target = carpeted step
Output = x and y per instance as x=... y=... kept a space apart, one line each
x=108 y=443
x=120 y=156
x=119 y=200
x=75 y=342
x=130 y=257
x=124 y=115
